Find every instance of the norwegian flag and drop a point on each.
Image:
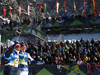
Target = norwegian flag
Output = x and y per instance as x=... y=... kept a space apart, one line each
x=28 y=10
x=89 y=70
x=20 y=8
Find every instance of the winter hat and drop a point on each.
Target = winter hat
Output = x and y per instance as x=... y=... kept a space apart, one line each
x=18 y=46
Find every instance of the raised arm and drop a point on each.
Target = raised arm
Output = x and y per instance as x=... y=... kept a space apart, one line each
x=8 y=52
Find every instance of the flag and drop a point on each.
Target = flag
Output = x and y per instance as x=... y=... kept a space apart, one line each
x=89 y=70
x=98 y=67
x=4 y=10
x=84 y=5
x=57 y=7
x=93 y=4
x=65 y=7
x=66 y=67
x=10 y=11
x=28 y=10
x=74 y=6
x=39 y=8
x=20 y=8
x=44 y=7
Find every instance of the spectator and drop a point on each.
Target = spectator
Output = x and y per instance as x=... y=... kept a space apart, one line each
x=94 y=14
x=65 y=59
x=92 y=41
x=48 y=52
x=39 y=47
x=95 y=60
x=79 y=62
x=29 y=49
x=62 y=61
x=56 y=60
x=82 y=41
x=47 y=61
x=74 y=60
x=89 y=60
x=84 y=61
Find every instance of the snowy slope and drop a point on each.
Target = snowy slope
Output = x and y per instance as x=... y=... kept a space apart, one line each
x=85 y=36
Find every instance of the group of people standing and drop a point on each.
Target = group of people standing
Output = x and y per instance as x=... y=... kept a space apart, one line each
x=16 y=59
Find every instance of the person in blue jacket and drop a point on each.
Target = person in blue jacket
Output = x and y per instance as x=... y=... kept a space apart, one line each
x=23 y=61
x=11 y=57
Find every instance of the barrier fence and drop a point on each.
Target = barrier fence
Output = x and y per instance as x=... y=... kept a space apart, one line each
x=59 y=70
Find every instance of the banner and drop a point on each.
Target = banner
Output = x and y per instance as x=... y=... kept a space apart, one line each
x=4 y=10
x=28 y=10
x=44 y=7
x=10 y=11
x=93 y=4
x=57 y=7
x=20 y=8
x=65 y=7
x=66 y=67
x=74 y=6
x=48 y=69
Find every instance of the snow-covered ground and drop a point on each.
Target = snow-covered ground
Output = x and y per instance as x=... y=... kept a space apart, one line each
x=85 y=36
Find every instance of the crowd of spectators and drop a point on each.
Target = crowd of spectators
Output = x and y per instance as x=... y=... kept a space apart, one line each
x=77 y=16
x=74 y=52
x=36 y=20
x=12 y=24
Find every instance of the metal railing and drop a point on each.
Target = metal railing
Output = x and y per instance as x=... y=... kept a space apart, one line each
x=60 y=38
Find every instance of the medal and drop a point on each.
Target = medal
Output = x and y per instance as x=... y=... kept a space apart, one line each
x=24 y=58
